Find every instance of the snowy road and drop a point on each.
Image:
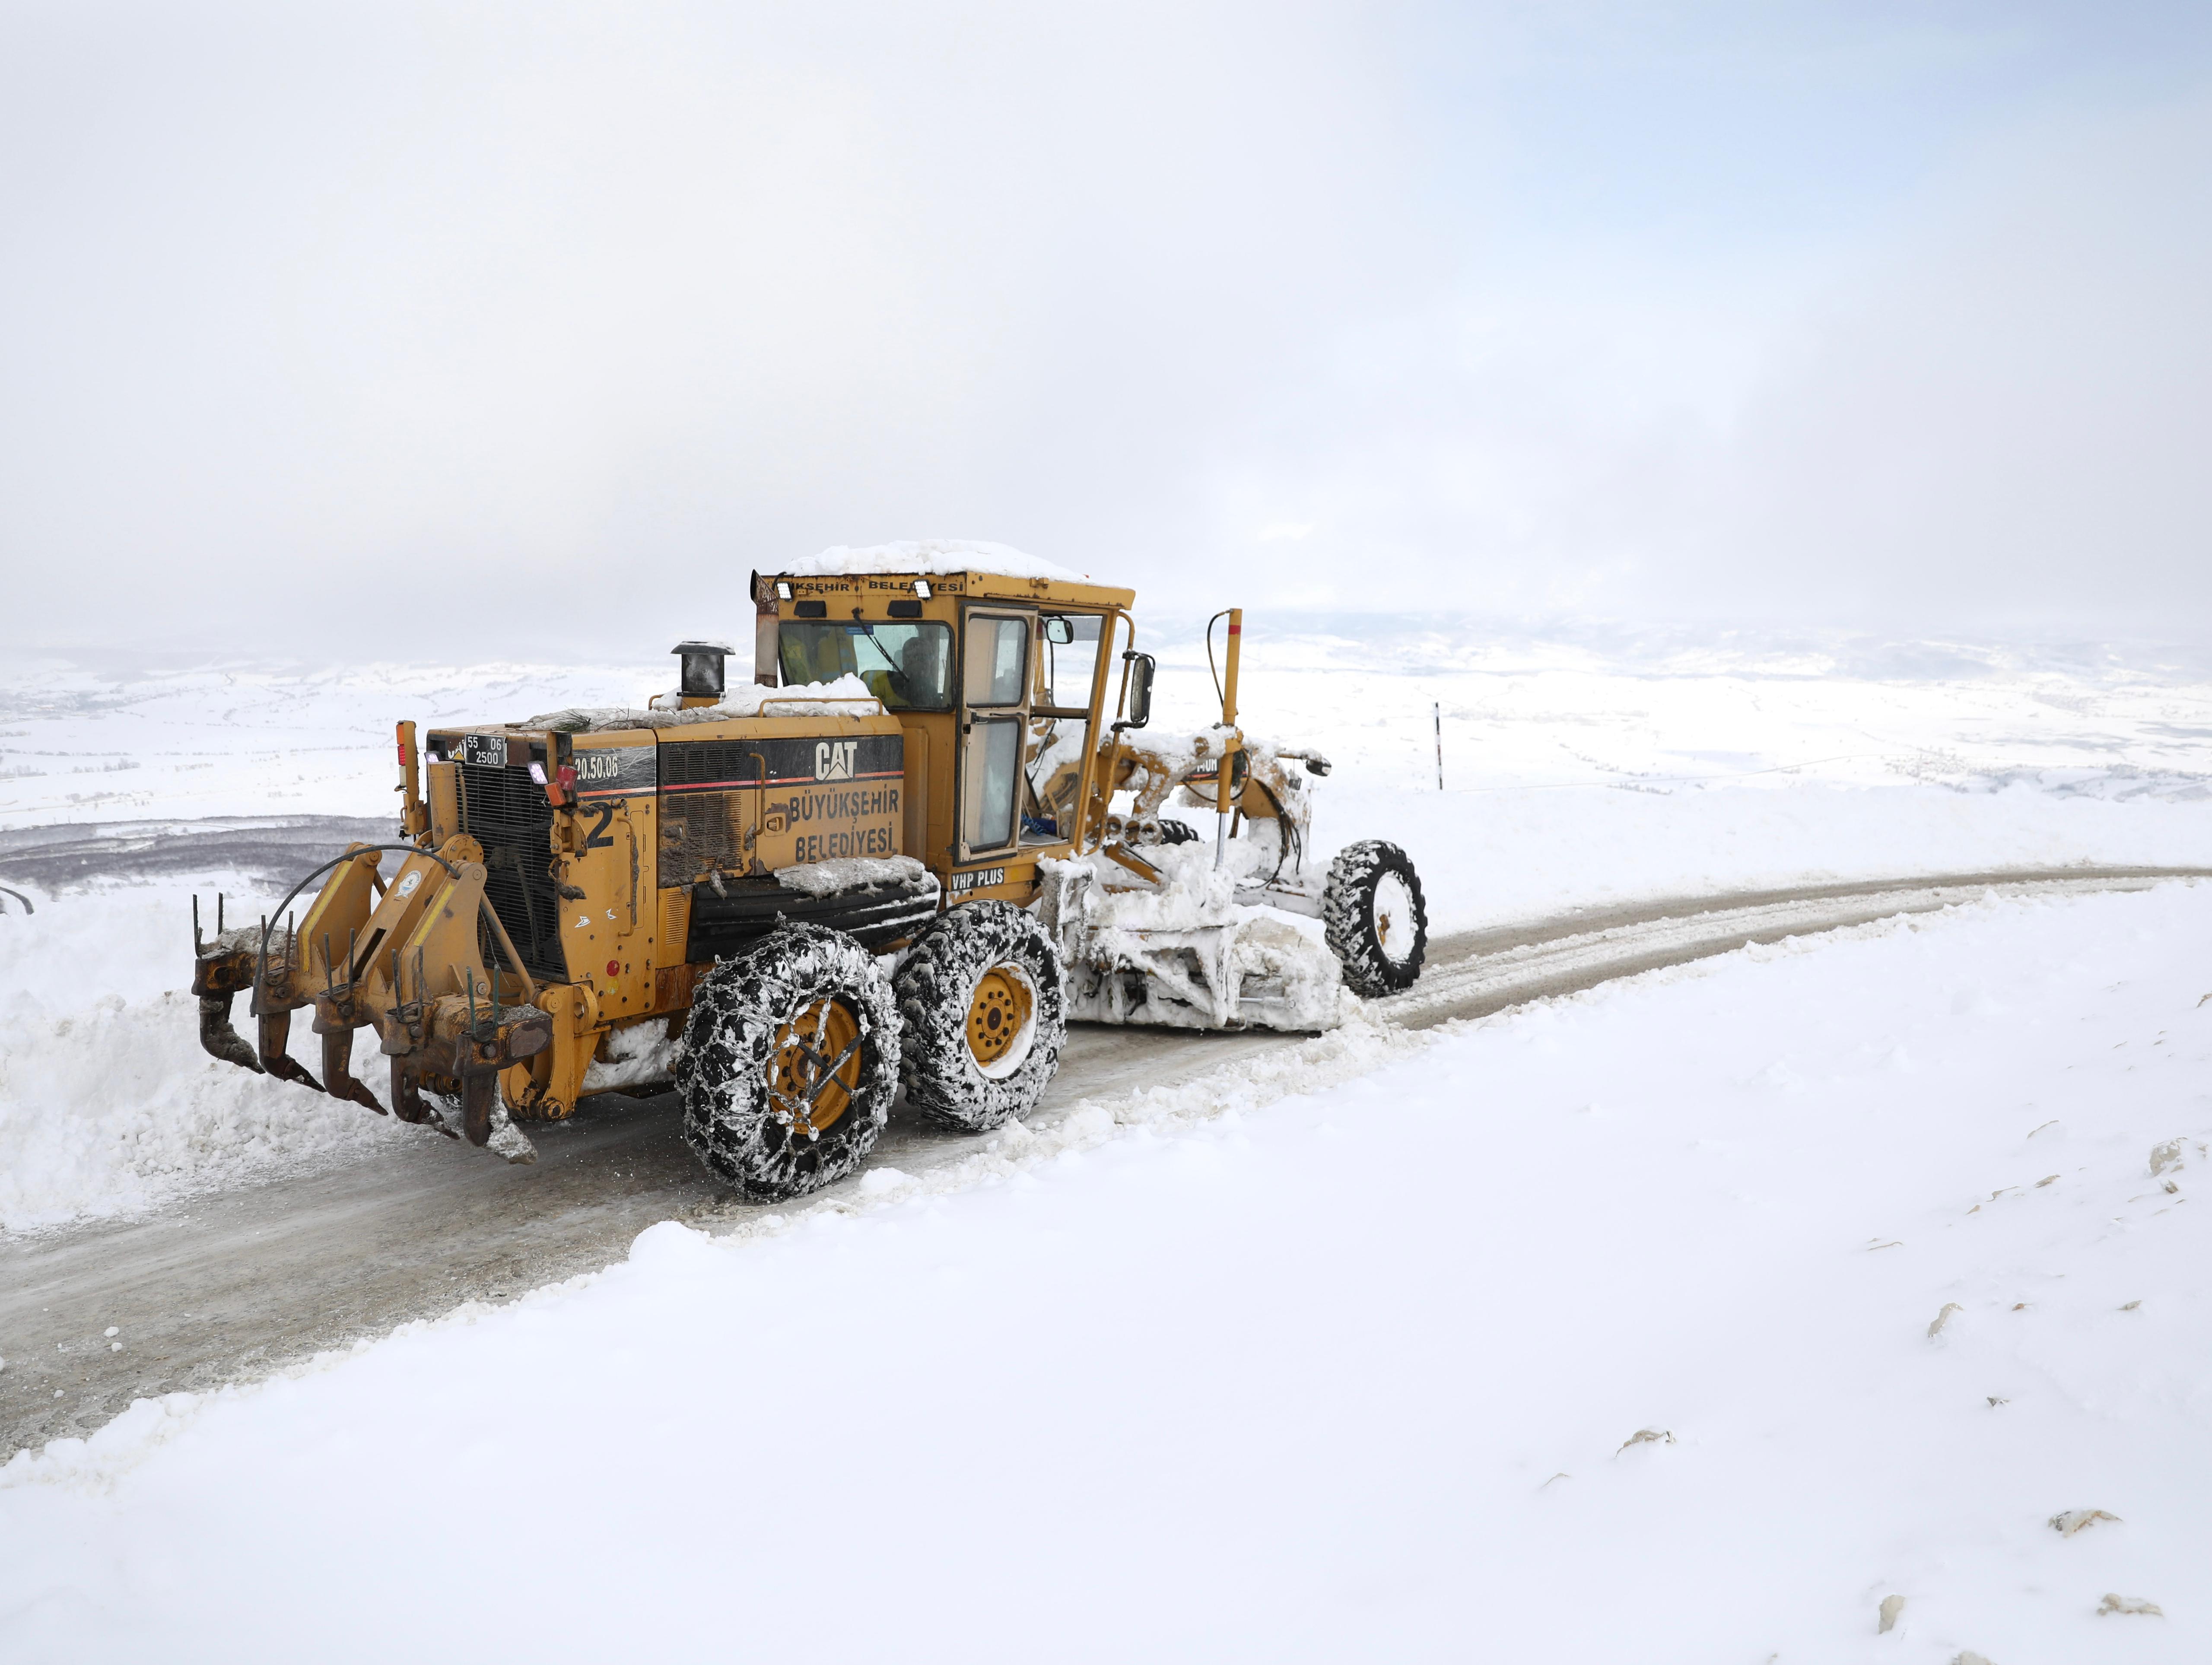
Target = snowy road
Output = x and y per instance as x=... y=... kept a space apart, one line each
x=239 y=1283
x=272 y=848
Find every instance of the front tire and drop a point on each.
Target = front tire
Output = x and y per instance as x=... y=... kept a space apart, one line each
x=790 y=1062
x=1374 y=918
x=983 y=1008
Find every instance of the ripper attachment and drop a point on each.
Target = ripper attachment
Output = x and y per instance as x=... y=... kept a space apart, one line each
x=404 y=959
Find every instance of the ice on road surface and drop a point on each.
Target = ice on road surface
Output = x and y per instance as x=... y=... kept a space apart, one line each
x=1594 y=1331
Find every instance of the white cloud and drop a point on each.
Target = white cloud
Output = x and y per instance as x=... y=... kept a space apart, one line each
x=558 y=321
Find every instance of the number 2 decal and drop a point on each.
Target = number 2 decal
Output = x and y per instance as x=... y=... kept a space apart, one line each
x=598 y=838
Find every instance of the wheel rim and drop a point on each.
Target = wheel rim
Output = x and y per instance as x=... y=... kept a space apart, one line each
x=1395 y=928
x=1001 y=1020
x=815 y=1068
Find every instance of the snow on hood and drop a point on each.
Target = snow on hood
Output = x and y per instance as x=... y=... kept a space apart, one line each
x=929 y=555
x=827 y=879
x=812 y=699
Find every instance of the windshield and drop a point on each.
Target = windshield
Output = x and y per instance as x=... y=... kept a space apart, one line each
x=907 y=666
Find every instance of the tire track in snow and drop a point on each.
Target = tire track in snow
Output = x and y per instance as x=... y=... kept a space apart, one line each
x=1475 y=974
x=239 y=1284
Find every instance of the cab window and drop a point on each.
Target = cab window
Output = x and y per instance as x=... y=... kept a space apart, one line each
x=997 y=654
x=1069 y=656
x=907 y=666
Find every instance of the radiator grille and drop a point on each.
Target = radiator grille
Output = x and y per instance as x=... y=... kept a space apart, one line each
x=701 y=763
x=506 y=812
x=703 y=830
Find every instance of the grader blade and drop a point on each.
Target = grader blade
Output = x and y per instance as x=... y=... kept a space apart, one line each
x=276 y=1030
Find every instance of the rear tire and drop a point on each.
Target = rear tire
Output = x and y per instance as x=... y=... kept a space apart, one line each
x=1374 y=918
x=983 y=1008
x=789 y=1062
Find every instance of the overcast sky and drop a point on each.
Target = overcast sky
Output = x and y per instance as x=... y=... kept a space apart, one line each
x=397 y=330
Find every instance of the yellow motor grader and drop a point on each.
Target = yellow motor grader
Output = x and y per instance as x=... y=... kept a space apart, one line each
x=924 y=838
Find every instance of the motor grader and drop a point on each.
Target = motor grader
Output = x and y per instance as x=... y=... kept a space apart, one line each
x=927 y=835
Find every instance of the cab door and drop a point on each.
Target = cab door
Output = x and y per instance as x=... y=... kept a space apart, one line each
x=996 y=642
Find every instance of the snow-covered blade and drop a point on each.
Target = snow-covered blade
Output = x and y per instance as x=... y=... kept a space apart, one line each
x=1183 y=953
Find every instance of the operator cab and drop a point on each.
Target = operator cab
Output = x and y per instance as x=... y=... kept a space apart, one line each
x=997 y=681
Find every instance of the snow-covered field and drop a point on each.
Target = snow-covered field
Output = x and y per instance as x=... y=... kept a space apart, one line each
x=1223 y=1372
x=1687 y=1319
x=107 y=1104
x=1519 y=714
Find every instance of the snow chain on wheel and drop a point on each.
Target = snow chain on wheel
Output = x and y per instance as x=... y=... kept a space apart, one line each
x=1376 y=923
x=983 y=1010
x=789 y=1063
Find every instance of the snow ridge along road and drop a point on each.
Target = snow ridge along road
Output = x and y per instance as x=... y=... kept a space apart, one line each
x=1474 y=974
x=242 y=1283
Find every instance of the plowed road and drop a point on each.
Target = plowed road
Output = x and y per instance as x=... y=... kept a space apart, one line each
x=233 y=1285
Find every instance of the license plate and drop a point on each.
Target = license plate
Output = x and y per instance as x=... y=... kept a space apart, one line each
x=485 y=750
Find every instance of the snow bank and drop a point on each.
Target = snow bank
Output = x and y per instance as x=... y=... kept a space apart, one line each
x=929 y=555
x=107 y=1104
x=83 y=744
x=1488 y=858
x=1597 y=1331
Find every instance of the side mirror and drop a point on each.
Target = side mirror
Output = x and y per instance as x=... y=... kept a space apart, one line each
x=1059 y=631
x=1141 y=666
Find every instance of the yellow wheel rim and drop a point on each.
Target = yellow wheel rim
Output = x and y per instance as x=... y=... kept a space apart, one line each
x=997 y=1015
x=815 y=1068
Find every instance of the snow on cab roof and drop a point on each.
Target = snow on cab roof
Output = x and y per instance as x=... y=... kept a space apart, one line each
x=930 y=555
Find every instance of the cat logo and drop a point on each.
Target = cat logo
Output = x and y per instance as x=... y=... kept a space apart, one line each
x=833 y=759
